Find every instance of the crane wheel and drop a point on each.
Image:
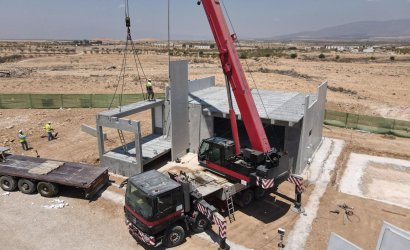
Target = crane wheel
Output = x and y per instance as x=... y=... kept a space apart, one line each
x=245 y=198
x=201 y=224
x=26 y=186
x=174 y=236
x=47 y=189
x=8 y=183
x=259 y=193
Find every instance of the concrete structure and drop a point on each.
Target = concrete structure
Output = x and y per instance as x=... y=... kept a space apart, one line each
x=392 y=238
x=129 y=158
x=195 y=110
x=337 y=242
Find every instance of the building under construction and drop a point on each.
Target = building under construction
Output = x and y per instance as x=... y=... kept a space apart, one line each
x=198 y=109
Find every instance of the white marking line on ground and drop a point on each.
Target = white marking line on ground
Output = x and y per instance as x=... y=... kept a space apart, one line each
x=324 y=162
x=356 y=166
x=212 y=237
x=112 y=196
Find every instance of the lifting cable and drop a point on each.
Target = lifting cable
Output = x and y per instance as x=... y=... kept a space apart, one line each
x=246 y=62
x=137 y=61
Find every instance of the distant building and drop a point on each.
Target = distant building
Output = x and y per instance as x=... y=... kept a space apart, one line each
x=368 y=50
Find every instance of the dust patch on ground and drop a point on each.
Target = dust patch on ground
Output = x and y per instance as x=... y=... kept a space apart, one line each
x=322 y=165
x=379 y=178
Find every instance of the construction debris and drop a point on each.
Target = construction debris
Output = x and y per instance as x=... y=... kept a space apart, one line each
x=18 y=72
x=56 y=204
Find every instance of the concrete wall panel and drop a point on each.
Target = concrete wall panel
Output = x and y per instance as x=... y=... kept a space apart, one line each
x=200 y=84
x=336 y=242
x=179 y=108
x=312 y=128
x=393 y=238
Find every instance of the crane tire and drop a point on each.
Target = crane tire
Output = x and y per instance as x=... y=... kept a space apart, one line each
x=259 y=193
x=8 y=183
x=201 y=224
x=246 y=198
x=47 y=189
x=174 y=236
x=26 y=186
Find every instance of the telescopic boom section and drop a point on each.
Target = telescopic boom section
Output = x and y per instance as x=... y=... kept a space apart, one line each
x=236 y=76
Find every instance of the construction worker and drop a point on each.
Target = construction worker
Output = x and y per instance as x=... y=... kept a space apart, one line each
x=150 y=90
x=49 y=130
x=23 y=140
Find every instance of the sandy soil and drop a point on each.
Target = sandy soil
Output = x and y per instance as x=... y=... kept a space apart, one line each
x=373 y=88
x=364 y=226
x=382 y=89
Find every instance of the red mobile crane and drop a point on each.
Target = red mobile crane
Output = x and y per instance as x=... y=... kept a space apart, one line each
x=159 y=209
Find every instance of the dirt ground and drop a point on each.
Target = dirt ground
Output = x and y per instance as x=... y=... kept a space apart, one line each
x=382 y=89
x=376 y=87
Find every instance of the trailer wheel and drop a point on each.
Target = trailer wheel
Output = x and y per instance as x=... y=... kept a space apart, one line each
x=8 y=183
x=245 y=198
x=259 y=193
x=174 y=236
x=47 y=189
x=26 y=186
x=201 y=224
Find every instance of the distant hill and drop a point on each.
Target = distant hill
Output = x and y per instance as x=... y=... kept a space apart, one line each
x=370 y=30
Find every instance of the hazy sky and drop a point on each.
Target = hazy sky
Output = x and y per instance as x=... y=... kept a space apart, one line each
x=90 y=19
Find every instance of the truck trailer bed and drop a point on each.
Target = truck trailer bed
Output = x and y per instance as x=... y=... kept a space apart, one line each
x=87 y=177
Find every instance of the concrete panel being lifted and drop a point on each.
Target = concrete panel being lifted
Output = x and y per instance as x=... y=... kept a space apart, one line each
x=179 y=108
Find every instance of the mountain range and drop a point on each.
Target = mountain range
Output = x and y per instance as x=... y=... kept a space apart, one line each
x=364 y=30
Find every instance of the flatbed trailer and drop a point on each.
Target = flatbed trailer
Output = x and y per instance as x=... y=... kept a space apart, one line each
x=46 y=176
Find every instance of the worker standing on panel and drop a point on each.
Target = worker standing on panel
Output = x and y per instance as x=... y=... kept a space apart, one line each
x=49 y=130
x=23 y=140
x=150 y=90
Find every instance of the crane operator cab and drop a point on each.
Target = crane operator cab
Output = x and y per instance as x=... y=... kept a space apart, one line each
x=218 y=155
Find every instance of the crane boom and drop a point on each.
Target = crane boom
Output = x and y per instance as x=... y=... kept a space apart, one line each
x=235 y=74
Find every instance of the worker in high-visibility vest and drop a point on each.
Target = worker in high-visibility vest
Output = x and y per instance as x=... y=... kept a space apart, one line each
x=150 y=90
x=23 y=140
x=49 y=130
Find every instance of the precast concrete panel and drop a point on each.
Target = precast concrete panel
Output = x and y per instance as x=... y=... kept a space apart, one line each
x=336 y=242
x=200 y=84
x=312 y=127
x=200 y=127
x=292 y=140
x=179 y=108
x=393 y=238
x=157 y=119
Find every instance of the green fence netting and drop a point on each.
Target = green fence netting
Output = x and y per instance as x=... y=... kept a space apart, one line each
x=53 y=101
x=371 y=124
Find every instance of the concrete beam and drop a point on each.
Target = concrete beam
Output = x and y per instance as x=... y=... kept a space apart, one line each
x=91 y=131
x=116 y=123
x=131 y=109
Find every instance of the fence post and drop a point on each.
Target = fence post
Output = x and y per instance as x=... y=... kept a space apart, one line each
x=347 y=116
x=61 y=101
x=91 y=100
x=392 y=127
x=30 y=99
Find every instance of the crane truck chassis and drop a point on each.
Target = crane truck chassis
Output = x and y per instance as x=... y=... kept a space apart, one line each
x=159 y=209
x=162 y=210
